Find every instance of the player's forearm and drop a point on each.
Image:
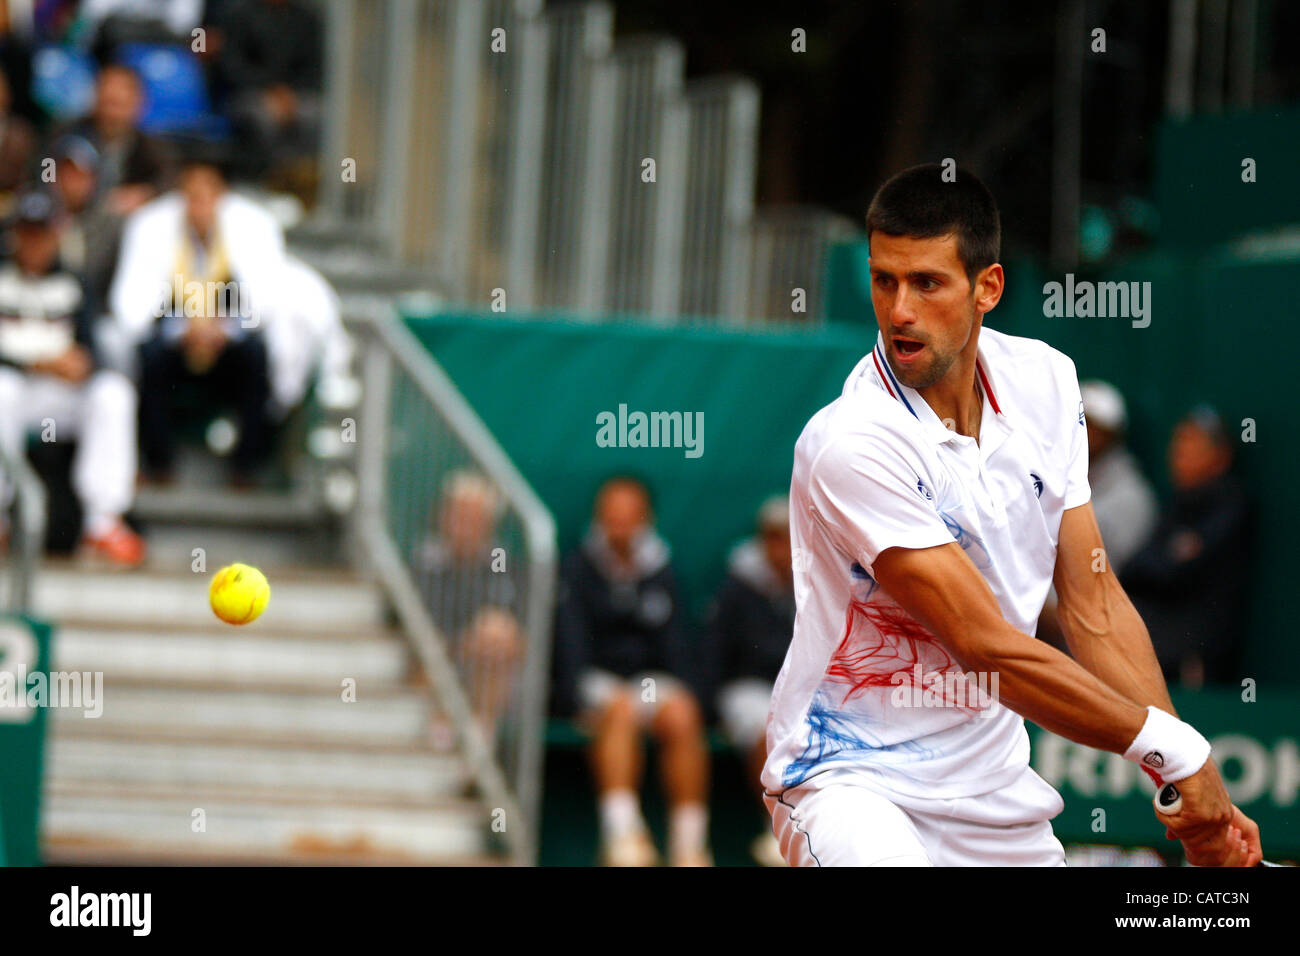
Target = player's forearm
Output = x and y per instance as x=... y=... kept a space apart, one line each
x=1110 y=641
x=1043 y=685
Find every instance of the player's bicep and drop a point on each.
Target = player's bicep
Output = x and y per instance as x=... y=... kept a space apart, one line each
x=1083 y=568
x=942 y=589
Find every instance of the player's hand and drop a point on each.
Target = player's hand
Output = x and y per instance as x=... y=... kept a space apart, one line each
x=1242 y=843
x=1251 y=851
x=1204 y=820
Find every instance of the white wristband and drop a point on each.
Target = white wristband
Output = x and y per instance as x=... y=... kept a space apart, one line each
x=1168 y=747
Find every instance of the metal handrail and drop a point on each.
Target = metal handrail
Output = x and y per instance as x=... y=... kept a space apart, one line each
x=390 y=344
x=28 y=535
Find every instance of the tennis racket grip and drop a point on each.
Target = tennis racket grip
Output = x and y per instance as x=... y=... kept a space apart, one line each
x=1168 y=800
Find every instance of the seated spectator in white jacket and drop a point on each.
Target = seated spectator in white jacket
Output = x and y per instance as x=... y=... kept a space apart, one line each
x=49 y=383
x=306 y=338
x=199 y=277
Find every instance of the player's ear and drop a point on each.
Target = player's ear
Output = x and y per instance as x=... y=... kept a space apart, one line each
x=989 y=285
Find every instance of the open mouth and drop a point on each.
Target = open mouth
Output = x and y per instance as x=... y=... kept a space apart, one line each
x=907 y=347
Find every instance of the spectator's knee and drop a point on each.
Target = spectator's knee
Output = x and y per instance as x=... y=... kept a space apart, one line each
x=620 y=711
x=112 y=391
x=678 y=717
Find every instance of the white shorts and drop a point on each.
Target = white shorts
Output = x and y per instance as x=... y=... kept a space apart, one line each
x=846 y=824
x=648 y=691
x=743 y=705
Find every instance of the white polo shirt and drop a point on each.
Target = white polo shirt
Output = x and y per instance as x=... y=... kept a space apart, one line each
x=877 y=469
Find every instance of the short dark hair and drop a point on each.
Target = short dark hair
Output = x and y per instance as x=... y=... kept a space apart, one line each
x=920 y=204
x=204 y=153
x=628 y=480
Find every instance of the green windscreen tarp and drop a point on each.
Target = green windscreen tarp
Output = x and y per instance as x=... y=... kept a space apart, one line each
x=541 y=385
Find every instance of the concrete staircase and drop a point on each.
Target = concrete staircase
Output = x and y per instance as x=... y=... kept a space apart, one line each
x=246 y=731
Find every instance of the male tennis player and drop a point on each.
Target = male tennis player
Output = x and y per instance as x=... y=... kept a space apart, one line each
x=932 y=505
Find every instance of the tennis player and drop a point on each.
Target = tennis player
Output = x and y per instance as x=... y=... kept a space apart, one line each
x=932 y=505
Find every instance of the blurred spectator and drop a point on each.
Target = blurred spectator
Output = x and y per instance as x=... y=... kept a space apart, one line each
x=133 y=167
x=749 y=625
x=620 y=651
x=466 y=583
x=1122 y=498
x=199 y=269
x=24 y=26
x=16 y=63
x=114 y=22
x=17 y=142
x=306 y=337
x=88 y=243
x=1189 y=580
x=271 y=64
x=49 y=381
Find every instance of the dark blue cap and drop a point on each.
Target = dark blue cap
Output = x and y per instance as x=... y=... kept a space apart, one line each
x=36 y=207
x=78 y=149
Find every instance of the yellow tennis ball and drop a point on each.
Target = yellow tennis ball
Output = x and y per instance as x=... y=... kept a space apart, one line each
x=239 y=593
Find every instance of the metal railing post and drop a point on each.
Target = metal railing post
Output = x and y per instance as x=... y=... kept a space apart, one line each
x=399 y=45
x=465 y=49
x=527 y=121
x=28 y=538
x=340 y=38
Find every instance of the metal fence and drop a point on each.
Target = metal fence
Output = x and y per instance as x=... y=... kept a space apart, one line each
x=787 y=254
x=466 y=553
x=505 y=149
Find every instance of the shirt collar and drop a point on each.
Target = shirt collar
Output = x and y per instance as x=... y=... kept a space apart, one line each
x=993 y=425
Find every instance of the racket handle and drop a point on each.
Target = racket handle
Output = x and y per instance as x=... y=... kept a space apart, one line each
x=1168 y=800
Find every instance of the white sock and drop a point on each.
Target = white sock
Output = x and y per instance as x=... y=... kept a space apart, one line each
x=688 y=828
x=99 y=525
x=620 y=813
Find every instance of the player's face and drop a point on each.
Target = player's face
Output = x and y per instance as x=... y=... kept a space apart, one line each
x=924 y=304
